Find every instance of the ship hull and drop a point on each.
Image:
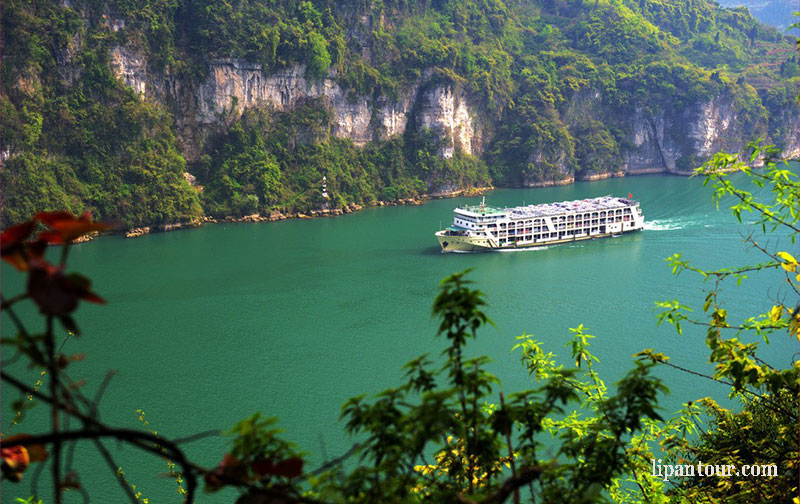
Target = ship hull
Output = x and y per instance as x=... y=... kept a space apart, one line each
x=471 y=244
x=463 y=243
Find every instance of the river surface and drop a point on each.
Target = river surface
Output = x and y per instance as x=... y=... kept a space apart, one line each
x=292 y=318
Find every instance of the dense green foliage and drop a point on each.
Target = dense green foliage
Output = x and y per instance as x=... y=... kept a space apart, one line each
x=556 y=82
x=78 y=138
x=762 y=433
x=246 y=174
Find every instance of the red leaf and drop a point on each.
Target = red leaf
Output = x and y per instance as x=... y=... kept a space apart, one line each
x=51 y=218
x=56 y=293
x=17 y=259
x=50 y=290
x=66 y=226
x=11 y=244
x=36 y=453
x=51 y=237
x=93 y=298
x=71 y=230
x=16 y=457
x=229 y=470
x=15 y=234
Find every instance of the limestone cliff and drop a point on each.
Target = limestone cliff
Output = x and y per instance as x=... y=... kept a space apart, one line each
x=261 y=101
x=231 y=86
x=654 y=141
x=673 y=141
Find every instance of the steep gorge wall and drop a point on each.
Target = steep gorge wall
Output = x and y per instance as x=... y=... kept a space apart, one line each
x=655 y=141
x=661 y=140
x=232 y=86
x=668 y=140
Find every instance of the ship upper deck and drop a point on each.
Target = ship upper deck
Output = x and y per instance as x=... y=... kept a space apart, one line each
x=577 y=206
x=481 y=210
x=482 y=213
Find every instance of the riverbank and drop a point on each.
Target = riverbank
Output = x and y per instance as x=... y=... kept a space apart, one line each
x=275 y=216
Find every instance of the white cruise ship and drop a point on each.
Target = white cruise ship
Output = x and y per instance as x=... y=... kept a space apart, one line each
x=481 y=227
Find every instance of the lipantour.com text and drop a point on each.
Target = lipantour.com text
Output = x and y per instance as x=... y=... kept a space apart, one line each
x=668 y=471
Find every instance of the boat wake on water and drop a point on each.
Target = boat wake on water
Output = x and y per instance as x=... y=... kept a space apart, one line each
x=666 y=224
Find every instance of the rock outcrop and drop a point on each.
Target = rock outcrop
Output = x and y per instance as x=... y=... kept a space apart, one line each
x=232 y=86
x=446 y=113
x=665 y=141
x=674 y=141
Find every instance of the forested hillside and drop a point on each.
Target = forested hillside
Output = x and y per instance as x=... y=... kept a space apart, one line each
x=110 y=105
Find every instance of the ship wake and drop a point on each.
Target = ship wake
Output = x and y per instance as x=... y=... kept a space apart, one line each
x=665 y=225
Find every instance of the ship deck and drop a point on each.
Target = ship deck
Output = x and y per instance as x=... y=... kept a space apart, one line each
x=576 y=206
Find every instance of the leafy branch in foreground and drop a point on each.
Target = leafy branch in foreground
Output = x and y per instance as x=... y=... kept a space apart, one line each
x=57 y=294
x=766 y=429
x=486 y=447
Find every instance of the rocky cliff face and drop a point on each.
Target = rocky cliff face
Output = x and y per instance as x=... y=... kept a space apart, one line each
x=670 y=141
x=232 y=86
x=666 y=141
x=446 y=113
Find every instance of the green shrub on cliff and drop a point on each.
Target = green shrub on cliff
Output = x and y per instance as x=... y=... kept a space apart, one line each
x=247 y=178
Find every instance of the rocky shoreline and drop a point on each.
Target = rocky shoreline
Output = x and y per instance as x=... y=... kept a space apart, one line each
x=355 y=207
x=311 y=214
x=605 y=175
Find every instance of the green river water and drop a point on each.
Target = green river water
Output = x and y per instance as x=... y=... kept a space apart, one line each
x=292 y=318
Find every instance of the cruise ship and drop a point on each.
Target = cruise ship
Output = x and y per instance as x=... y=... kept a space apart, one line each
x=481 y=227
